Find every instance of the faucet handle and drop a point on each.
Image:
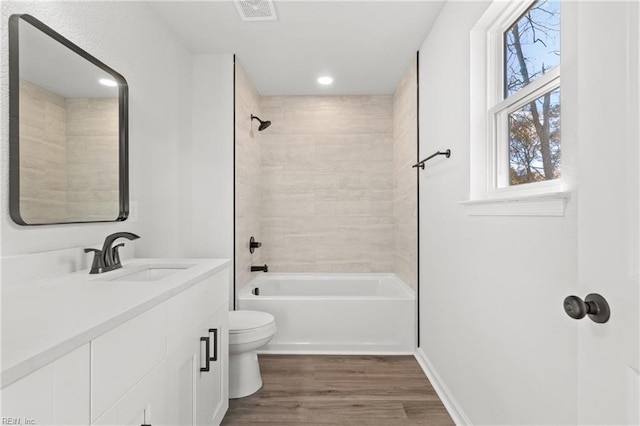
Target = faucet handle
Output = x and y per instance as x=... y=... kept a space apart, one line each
x=253 y=244
x=97 y=265
x=116 y=255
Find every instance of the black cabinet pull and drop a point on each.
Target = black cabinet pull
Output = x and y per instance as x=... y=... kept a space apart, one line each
x=206 y=356
x=215 y=344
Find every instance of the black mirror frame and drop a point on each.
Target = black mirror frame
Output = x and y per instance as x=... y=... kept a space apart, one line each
x=14 y=120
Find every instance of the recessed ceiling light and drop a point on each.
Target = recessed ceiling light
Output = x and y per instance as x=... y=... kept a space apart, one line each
x=325 y=80
x=107 y=82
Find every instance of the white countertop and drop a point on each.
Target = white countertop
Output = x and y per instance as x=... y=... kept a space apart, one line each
x=45 y=320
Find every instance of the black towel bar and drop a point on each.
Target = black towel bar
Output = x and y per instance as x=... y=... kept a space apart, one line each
x=420 y=164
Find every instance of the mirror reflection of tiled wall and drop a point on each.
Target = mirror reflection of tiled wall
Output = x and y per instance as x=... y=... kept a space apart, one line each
x=68 y=157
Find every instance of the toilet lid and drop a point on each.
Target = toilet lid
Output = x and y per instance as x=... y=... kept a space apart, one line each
x=243 y=321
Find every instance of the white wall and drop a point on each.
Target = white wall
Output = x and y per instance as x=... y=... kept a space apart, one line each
x=491 y=288
x=212 y=157
x=131 y=39
x=209 y=164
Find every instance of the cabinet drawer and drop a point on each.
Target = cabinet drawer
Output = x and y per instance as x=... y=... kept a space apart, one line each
x=55 y=394
x=124 y=355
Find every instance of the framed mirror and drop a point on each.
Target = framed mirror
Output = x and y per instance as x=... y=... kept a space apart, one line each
x=68 y=130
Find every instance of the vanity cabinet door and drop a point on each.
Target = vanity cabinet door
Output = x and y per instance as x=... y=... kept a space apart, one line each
x=124 y=355
x=195 y=395
x=57 y=393
x=144 y=404
x=212 y=386
x=182 y=376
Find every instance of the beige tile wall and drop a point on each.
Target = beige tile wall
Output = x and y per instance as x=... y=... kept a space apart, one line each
x=327 y=184
x=405 y=219
x=247 y=177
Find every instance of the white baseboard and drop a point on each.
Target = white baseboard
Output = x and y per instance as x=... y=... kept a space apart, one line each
x=332 y=352
x=455 y=410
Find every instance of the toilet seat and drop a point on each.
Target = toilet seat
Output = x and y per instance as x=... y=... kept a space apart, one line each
x=244 y=321
x=249 y=326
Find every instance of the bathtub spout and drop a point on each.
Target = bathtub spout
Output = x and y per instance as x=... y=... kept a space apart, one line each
x=264 y=268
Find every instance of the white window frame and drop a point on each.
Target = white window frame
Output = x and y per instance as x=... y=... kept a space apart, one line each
x=489 y=122
x=497 y=120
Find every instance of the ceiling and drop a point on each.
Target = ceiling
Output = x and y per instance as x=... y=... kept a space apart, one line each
x=52 y=66
x=364 y=45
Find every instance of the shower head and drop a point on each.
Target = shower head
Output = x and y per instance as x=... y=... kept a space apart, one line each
x=263 y=124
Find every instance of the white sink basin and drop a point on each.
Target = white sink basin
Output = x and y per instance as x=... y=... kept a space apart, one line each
x=147 y=273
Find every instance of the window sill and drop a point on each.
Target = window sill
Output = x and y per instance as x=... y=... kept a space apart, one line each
x=553 y=204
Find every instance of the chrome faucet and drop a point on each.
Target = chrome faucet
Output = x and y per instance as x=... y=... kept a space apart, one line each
x=108 y=258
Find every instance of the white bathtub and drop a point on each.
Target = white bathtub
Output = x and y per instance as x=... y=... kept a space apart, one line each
x=335 y=313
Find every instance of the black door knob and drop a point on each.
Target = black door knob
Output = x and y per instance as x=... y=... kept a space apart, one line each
x=593 y=305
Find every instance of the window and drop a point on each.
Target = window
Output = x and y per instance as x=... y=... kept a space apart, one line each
x=524 y=117
x=515 y=99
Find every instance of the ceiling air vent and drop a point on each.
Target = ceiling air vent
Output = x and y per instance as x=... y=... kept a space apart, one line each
x=256 y=10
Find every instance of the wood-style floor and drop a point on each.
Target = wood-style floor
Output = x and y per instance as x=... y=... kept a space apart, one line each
x=339 y=390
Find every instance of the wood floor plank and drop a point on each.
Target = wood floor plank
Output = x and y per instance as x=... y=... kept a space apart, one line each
x=340 y=390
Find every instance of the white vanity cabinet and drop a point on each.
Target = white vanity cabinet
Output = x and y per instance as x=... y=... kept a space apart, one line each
x=212 y=390
x=55 y=394
x=163 y=363
x=198 y=387
x=144 y=404
x=124 y=363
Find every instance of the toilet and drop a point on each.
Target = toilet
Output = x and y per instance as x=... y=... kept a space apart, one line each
x=248 y=331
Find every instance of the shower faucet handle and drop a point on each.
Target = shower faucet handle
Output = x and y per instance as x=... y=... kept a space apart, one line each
x=253 y=244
